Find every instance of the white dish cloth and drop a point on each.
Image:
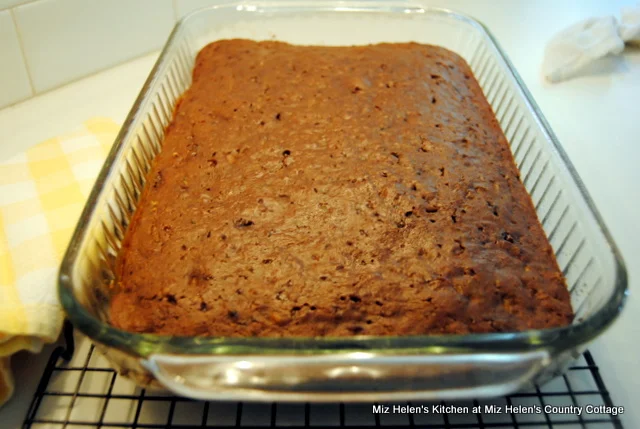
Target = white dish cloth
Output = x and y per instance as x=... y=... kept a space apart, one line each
x=573 y=49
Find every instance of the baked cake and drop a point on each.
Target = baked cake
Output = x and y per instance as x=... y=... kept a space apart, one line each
x=335 y=191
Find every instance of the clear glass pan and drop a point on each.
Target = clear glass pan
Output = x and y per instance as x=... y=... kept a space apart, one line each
x=359 y=368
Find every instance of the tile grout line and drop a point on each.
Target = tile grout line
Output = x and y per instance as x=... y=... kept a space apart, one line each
x=22 y=50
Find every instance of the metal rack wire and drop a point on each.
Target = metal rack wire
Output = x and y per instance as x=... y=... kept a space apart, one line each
x=79 y=390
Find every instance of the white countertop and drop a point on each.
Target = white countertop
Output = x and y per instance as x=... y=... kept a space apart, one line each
x=596 y=118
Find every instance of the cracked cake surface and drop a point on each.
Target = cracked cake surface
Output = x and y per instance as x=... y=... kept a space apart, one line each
x=335 y=191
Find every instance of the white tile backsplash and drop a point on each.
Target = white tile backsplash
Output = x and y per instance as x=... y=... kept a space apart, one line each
x=64 y=40
x=14 y=80
x=183 y=7
x=6 y=4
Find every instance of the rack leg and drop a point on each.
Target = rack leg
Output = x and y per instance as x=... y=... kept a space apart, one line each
x=69 y=349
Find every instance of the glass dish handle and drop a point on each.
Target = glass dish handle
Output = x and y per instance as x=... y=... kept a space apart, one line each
x=340 y=376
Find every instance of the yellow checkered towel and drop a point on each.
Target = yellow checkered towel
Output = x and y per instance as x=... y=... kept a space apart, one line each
x=42 y=192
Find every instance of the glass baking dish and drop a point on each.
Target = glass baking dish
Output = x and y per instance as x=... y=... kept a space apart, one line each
x=358 y=368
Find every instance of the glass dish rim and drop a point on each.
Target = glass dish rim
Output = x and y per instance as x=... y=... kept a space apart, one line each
x=142 y=345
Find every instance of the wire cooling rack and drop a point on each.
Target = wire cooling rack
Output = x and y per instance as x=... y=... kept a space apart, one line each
x=79 y=390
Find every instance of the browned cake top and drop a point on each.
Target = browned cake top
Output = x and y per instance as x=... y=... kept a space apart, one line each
x=307 y=191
